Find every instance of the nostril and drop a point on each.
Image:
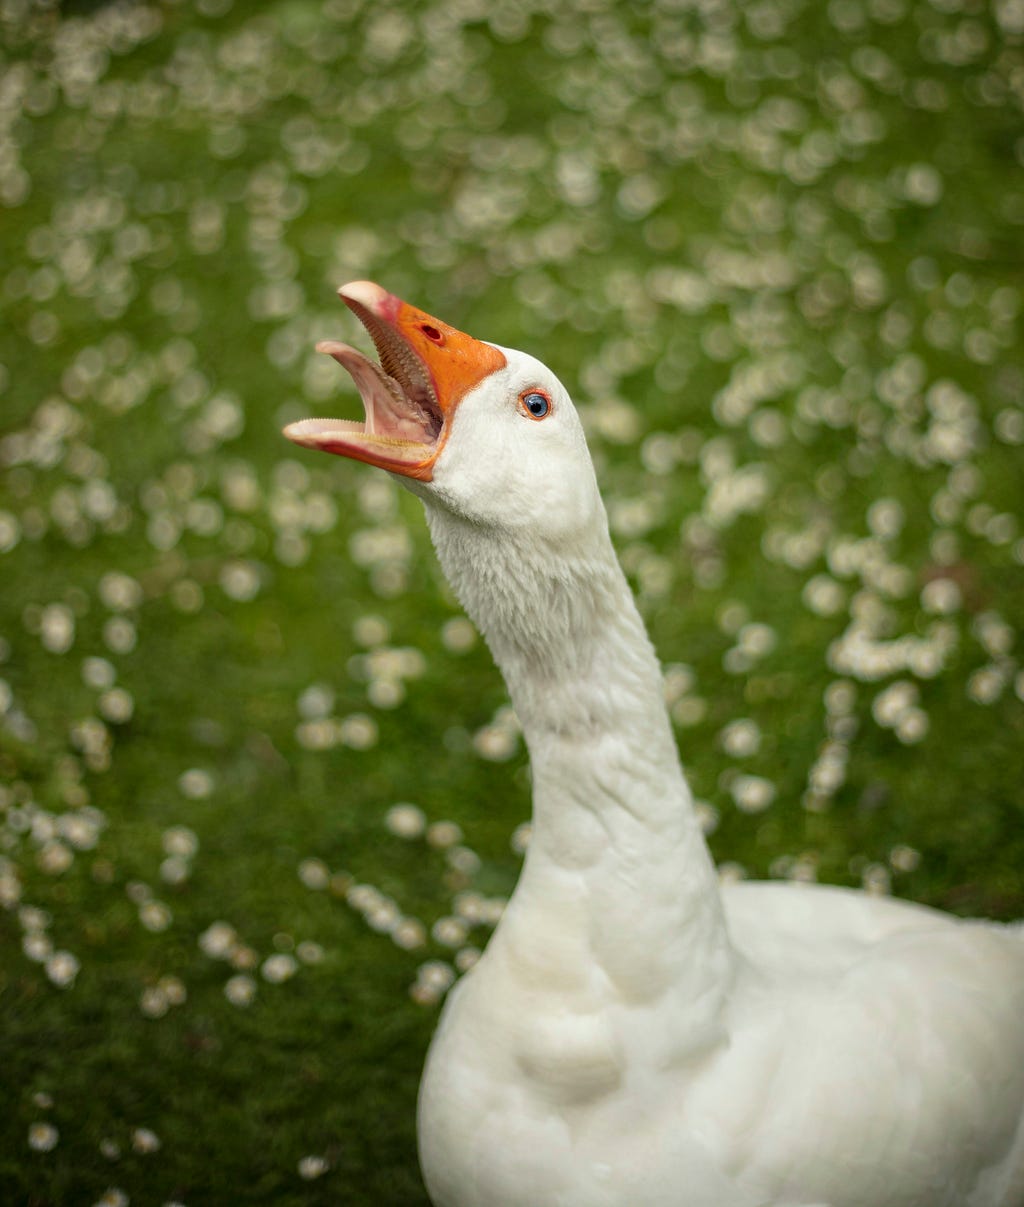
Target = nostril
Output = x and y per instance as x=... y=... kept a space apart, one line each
x=432 y=333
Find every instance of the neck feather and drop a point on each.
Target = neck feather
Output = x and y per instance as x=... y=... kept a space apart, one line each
x=565 y=632
x=612 y=810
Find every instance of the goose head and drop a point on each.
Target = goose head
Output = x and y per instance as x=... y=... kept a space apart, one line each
x=481 y=432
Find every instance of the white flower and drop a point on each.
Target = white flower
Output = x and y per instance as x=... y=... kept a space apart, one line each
x=279 y=967
x=174 y=870
x=80 y=830
x=444 y=834
x=240 y=990
x=986 y=684
x=112 y=1197
x=173 y=989
x=467 y=957
x=312 y=1167
x=405 y=820
x=98 y=673
x=33 y=918
x=450 y=932
x=57 y=628
x=458 y=635
x=119 y=635
x=62 y=968
x=358 y=731
x=218 y=940
x=37 y=946
x=876 y=880
x=153 y=1002
x=436 y=975
x=823 y=595
x=752 y=793
x=904 y=858
x=310 y=952
x=116 y=706
x=180 y=841
x=408 y=934
x=43 y=1137
x=913 y=726
x=891 y=705
x=145 y=1141
x=741 y=738
x=520 y=839
x=941 y=596
x=55 y=858
x=155 y=916
x=314 y=873
x=316 y=702
x=195 y=783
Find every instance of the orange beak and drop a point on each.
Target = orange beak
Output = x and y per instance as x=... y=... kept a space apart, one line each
x=426 y=369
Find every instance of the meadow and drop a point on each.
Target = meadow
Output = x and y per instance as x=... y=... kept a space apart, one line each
x=261 y=794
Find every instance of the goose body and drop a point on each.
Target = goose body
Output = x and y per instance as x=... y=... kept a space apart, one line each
x=635 y=1035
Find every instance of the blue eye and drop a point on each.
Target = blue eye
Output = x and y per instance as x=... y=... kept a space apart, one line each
x=537 y=405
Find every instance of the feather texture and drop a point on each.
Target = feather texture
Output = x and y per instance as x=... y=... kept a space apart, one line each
x=634 y=1036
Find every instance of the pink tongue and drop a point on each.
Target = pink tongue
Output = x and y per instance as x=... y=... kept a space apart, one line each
x=387 y=412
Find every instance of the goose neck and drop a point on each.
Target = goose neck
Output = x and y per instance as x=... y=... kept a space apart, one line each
x=614 y=828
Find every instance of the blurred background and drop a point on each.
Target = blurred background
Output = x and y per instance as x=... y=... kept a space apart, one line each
x=261 y=794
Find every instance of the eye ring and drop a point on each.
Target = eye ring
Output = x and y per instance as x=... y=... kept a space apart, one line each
x=535 y=404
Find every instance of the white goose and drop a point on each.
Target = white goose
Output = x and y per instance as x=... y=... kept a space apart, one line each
x=635 y=1036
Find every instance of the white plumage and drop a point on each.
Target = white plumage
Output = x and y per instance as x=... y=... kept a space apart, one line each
x=635 y=1036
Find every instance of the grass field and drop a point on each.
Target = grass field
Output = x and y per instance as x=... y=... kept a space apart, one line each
x=776 y=249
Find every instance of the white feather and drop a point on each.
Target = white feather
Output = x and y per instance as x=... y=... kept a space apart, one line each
x=633 y=1036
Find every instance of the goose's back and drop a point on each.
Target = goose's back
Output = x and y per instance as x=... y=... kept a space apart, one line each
x=873 y=1057
x=899 y=1033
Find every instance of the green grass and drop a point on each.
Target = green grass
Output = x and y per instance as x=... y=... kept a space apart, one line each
x=784 y=236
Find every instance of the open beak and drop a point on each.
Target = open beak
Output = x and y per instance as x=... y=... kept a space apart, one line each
x=426 y=368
